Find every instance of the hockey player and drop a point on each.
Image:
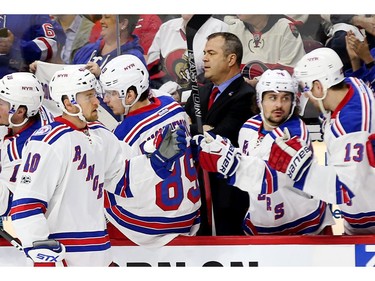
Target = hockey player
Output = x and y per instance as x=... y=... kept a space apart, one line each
x=28 y=38
x=21 y=111
x=58 y=206
x=155 y=213
x=285 y=211
x=348 y=107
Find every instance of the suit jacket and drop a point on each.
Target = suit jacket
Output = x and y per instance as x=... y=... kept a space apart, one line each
x=228 y=113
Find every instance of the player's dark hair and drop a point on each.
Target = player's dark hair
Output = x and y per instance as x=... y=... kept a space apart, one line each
x=339 y=85
x=232 y=44
x=143 y=96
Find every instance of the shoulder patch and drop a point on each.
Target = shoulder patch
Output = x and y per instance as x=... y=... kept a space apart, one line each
x=42 y=131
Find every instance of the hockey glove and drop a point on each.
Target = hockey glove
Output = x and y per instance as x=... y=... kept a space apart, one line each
x=195 y=146
x=169 y=147
x=47 y=253
x=370 y=149
x=218 y=155
x=289 y=156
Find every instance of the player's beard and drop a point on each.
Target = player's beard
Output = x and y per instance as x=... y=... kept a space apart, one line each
x=92 y=117
x=275 y=121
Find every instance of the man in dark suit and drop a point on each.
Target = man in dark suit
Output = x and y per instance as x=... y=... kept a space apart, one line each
x=231 y=107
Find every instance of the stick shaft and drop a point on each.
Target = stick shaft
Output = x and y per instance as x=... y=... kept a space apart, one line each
x=192 y=27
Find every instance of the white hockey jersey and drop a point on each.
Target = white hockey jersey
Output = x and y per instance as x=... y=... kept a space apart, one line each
x=60 y=189
x=10 y=156
x=152 y=213
x=279 y=45
x=275 y=207
x=348 y=180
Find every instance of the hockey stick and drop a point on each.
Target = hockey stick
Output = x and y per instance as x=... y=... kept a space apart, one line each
x=10 y=239
x=192 y=28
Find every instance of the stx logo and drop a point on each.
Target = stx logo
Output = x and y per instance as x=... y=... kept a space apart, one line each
x=62 y=75
x=26 y=88
x=46 y=258
x=313 y=59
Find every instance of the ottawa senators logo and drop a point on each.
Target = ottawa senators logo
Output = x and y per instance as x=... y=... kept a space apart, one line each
x=254 y=69
x=176 y=66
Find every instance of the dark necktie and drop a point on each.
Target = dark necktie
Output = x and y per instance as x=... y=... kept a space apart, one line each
x=213 y=95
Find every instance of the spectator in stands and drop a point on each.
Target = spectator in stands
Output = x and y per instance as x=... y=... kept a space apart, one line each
x=105 y=48
x=285 y=211
x=97 y=28
x=167 y=57
x=338 y=25
x=27 y=38
x=361 y=59
x=269 y=41
x=77 y=29
x=232 y=103
x=147 y=26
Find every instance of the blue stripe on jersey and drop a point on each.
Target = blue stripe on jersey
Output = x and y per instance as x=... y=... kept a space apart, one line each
x=137 y=124
x=354 y=112
x=154 y=225
x=89 y=248
x=51 y=132
x=27 y=207
x=343 y=193
x=96 y=125
x=78 y=235
x=155 y=121
x=122 y=187
x=254 y=123
x=88 y=241
x=59 y=134
x=10 y=151
x=362 y=220
x=17 y=142
x=303 y=225
x=270 y=182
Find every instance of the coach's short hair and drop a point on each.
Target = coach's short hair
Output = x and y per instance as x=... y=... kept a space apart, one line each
x=232 y=44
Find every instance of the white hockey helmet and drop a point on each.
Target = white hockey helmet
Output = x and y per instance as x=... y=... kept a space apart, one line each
x=123 y=72
x=276 y=80
x=22 y=88
x=323 y=65
x=69 y=82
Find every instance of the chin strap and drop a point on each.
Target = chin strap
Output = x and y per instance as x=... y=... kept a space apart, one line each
x=79 y=114
x=12 y=125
